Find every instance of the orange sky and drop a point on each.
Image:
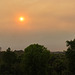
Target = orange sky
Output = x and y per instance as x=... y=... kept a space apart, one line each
x=48 y=22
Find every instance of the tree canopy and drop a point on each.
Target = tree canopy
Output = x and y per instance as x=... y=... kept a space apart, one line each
x=70 y=53
x=36 y=58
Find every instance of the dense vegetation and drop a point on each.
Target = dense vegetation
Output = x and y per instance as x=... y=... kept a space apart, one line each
x=37 y=60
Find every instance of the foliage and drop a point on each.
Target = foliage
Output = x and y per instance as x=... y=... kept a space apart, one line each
x=70 y=54
x=36 y=58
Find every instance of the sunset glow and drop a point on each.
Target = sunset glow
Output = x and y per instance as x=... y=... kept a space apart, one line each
x=47 y=22
x=21 y=18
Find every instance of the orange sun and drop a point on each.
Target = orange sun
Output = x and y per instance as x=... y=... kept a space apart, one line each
x=21 y=18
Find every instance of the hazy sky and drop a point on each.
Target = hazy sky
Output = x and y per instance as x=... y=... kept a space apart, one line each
x=48 y=22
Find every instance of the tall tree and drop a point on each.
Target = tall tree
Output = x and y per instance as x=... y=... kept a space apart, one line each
x=36 y=58
x=70 y=53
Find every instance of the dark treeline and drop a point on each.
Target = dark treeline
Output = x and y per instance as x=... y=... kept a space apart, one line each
x=37 y=60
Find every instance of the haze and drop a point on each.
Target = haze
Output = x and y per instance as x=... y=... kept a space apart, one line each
x=49 y=22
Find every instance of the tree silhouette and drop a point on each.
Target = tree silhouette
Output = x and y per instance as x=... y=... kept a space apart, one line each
x=36 y=58
x=9 y=59
x=70 y=54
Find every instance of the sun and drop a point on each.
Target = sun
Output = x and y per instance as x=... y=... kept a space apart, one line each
x=21 y=18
